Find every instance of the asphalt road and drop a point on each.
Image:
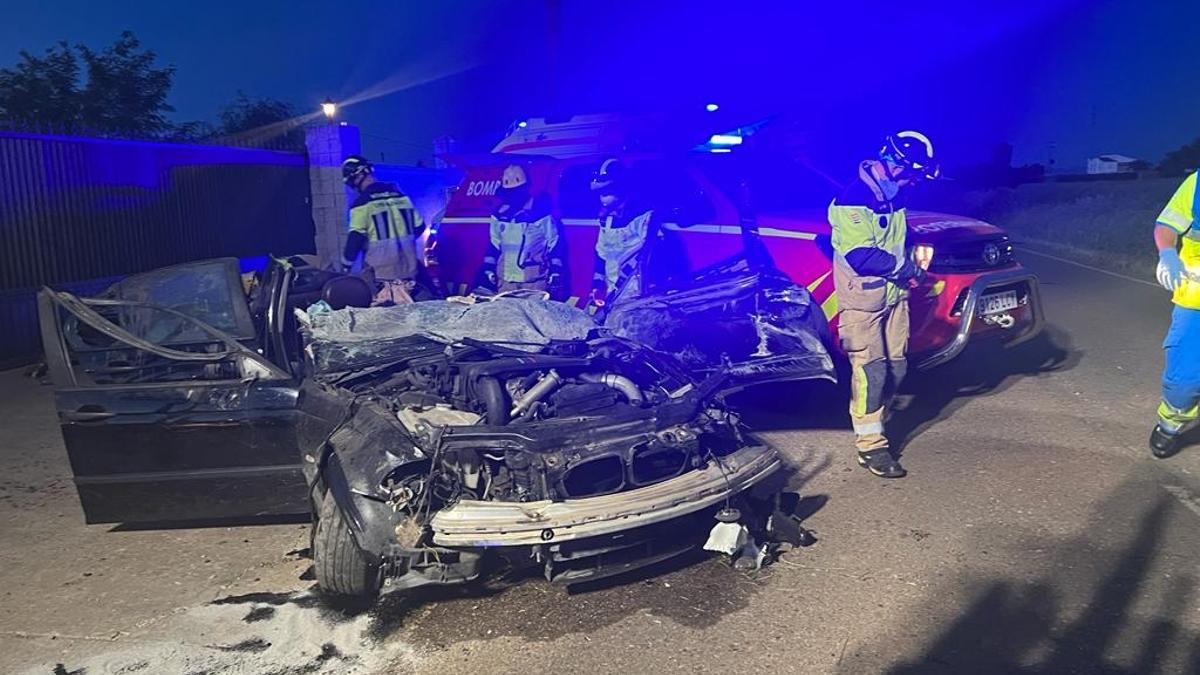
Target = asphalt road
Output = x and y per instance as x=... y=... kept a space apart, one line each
x=1034 y=534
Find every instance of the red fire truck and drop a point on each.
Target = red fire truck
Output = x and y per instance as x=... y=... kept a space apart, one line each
x=975 y=287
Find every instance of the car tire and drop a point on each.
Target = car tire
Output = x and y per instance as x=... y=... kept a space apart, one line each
x=341 y=566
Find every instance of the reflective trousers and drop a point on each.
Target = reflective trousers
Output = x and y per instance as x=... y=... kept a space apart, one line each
x=1181 y=376
x=876 y=343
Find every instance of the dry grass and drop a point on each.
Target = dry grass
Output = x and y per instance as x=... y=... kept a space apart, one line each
x=1107 y=224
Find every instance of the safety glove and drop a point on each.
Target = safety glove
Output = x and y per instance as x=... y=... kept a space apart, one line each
x=1171 y=271
x=910 y=274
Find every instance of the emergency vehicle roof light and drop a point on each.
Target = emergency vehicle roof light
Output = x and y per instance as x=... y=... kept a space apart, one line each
x=725 y=139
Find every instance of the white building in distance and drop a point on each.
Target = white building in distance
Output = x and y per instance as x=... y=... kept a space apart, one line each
x=1112 y=164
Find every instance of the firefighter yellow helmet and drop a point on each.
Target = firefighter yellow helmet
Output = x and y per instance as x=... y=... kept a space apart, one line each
x=513 y=177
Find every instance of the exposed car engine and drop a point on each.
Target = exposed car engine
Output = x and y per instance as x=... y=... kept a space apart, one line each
x=477 y=414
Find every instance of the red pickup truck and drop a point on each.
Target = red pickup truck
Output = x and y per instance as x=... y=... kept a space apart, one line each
x=975 y=286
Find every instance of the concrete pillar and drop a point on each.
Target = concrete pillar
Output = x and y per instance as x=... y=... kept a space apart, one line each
x=328 y=145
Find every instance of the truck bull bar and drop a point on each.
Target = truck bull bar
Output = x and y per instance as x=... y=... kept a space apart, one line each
x=970 y=313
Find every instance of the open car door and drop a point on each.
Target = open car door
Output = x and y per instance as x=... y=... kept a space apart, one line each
x=748 y=323
x=167 y=412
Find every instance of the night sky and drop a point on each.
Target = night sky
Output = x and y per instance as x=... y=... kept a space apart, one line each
x=1061 y=79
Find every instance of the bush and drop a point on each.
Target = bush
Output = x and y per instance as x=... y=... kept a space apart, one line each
x=1106 y=223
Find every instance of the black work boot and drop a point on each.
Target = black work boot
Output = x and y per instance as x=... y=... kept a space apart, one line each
x=881 y=463
x=1162 y=444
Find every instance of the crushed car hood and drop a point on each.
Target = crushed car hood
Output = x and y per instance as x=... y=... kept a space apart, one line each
x=354 y=337
x=743 y=326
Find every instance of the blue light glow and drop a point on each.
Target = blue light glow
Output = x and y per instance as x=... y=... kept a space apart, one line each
x=725 y=139
x=712 y=107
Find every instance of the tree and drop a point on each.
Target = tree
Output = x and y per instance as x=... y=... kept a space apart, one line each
x=196 y=130
x=262 y=121
x=1182 y=160
x=42 y=91
x=125 y=93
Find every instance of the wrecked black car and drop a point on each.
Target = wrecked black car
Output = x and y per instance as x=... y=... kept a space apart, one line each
x=432 y=439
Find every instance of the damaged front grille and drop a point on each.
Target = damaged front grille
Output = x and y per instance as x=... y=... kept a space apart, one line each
x=653 y=464
x=600 y=476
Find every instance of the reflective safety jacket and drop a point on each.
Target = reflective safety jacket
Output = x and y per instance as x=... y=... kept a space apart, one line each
x=385 y=221
x=525 y=244
x=868 y=247
x=619 y=250
x=1180 y=215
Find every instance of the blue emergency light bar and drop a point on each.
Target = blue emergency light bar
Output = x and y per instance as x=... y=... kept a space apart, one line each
x=725 y=139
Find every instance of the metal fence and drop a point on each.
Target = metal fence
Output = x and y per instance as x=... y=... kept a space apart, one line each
x=73 y=210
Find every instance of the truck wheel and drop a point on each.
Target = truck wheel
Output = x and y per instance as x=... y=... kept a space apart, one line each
x=341 y=567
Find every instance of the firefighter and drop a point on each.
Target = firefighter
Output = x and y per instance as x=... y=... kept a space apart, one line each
x=872 y=274
x=525 y=251
x=1177 y=236
x=621 y=245
x=384 y=222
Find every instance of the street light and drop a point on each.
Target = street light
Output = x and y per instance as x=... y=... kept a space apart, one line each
x=329 y=108
x=712 y=107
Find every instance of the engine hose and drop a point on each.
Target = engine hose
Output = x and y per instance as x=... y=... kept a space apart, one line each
x=619 y=382
x=536 y=393
x=494 y=400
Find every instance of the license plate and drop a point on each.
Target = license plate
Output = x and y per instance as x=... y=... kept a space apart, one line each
x=998 y=302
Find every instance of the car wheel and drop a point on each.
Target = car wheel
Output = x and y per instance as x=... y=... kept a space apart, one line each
x=341 y=567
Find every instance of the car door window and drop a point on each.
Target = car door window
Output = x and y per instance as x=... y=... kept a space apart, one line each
x=91 y=344
x=209 y=291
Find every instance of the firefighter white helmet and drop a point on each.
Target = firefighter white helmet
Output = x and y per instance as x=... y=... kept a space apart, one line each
x=912 y=150
x=513 y=177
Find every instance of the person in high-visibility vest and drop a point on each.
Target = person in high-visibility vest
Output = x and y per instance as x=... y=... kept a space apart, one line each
x=1177 y=235
x=384 y=223
x=525 y=250
x=872 y=273
x=626 y=231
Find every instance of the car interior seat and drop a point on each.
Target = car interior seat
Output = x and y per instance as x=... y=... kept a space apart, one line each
x=347 y=291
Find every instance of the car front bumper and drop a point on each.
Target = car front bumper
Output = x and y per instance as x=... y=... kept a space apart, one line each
x=480 y=524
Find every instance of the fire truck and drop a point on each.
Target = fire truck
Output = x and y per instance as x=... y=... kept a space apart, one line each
x=975 y=288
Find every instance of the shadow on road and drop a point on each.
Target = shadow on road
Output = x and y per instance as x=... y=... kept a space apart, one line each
x=1089 y=608
x=694 y=590
x=928 y=397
